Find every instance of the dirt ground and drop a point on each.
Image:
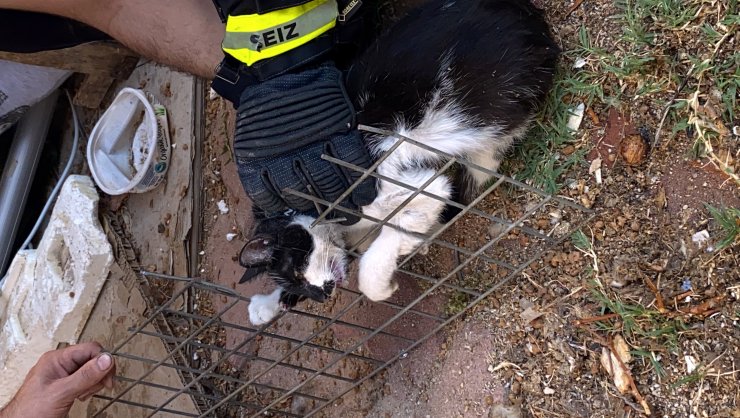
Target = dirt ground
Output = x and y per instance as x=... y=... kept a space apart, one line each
x=640 y=275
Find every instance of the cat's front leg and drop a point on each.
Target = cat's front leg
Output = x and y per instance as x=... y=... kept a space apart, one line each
x=378 y=264
x=262 y=308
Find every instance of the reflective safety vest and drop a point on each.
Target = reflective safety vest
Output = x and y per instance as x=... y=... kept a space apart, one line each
x=253 y=37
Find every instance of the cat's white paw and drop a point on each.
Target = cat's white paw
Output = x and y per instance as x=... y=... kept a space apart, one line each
x=377 y=291
x=262 y=308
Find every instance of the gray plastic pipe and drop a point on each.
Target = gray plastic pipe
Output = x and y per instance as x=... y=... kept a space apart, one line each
x=20 y=169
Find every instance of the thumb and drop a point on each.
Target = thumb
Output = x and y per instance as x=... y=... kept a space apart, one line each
x=88 y=377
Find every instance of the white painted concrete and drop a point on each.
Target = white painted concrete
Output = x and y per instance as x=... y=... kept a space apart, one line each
x=49 y=292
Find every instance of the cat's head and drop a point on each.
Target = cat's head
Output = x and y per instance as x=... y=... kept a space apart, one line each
x=304 y=261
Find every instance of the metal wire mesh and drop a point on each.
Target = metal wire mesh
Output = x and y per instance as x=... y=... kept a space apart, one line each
x=230 y=368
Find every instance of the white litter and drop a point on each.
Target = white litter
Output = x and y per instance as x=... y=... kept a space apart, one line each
x=595 y=169
x=580 y=63
x=230 y=236
x=691 y=364
x=576 y=117
x=212 y=95
x=129 y=147
x=222 y=207
x=700 y=237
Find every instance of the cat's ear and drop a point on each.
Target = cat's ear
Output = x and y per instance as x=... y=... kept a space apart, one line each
x=252 y=272
x=257 y=252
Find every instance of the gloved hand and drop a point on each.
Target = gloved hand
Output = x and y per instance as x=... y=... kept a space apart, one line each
x=283 y=126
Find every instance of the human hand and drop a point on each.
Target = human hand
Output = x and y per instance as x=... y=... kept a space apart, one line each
x=58 y=378
x=283 y=127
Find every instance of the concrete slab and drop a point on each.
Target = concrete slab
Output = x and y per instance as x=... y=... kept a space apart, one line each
x=50 y=292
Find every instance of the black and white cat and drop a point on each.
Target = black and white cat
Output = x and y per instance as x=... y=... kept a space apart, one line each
x=461 y=76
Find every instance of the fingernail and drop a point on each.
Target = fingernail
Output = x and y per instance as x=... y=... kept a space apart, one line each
x=104 y=361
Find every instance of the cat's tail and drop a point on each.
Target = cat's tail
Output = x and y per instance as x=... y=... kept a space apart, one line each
x=445 y=133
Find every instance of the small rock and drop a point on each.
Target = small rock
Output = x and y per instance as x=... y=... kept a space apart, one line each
x=633 y=149
x=496 y=229
x=549 y=391
x=230 y=236
x=222 y=207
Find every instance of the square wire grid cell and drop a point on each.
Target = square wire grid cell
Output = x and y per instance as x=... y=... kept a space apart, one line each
x=305 y=360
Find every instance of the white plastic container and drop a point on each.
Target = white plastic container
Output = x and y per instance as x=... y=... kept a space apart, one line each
x=129 y=147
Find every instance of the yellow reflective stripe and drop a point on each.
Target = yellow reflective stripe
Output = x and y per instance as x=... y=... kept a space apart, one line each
x=250 y=38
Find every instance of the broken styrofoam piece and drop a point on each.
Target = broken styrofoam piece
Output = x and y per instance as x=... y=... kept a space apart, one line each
x=50 y=292
x=700 y=238
x=580 y=63
x=691 y=364
x=222 y=207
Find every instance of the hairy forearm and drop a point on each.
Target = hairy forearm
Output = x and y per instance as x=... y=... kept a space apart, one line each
x=185 y=34
x=10 y=410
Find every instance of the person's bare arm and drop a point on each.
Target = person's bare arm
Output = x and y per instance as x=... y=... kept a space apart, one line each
x=58 y=378
x=185 y=34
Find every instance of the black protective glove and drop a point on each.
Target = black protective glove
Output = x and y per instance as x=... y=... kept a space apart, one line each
x=283 y=126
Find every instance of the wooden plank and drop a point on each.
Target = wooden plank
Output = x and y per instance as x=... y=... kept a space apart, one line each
x=102 y=58
x=92 y=90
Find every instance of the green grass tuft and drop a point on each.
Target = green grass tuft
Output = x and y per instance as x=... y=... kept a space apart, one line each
x=729 y=221
x=638 y=322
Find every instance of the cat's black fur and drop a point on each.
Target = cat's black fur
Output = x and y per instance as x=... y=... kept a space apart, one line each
x=401 y=68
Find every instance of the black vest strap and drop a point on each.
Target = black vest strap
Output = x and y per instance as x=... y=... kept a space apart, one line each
x=233 y=76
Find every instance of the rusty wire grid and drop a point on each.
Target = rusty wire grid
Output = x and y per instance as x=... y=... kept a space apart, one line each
x=229 y=368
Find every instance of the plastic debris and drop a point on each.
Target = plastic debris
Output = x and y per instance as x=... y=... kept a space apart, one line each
x=700 y=237
x=222 y=207
x=691 y=364
x=576 y=117
x=595 y=169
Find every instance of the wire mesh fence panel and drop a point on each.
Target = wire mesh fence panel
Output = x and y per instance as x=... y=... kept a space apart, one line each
x=305 y=360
